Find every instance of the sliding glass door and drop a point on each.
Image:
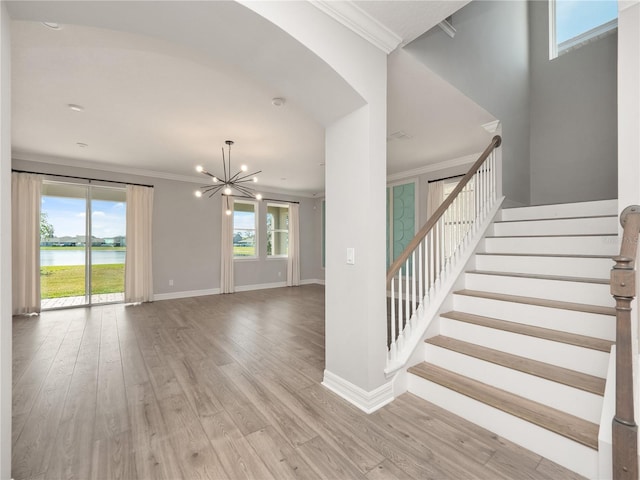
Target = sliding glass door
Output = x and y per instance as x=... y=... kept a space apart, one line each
x=82 y=244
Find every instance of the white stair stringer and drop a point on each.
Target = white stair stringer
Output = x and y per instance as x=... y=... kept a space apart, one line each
x=565 y=452
x=536 y=294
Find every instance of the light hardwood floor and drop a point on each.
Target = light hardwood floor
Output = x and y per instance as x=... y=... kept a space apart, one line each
x=224 y=386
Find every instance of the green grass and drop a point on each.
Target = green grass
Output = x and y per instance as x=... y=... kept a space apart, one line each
x=243 y=251
x=68 y=280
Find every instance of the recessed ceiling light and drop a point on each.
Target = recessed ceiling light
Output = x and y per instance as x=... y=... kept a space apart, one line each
x=278 y=101
x=82 y=145
x=52 y=25
x=321 y=164
x=76 y=108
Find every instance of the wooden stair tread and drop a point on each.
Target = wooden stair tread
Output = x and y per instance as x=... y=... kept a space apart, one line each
x=559 y=278
x=571 y=378
x=558 y=235
x=542 y=302
x=569 y=426
x=553 y=255
x=554 y=218
x=533 y=331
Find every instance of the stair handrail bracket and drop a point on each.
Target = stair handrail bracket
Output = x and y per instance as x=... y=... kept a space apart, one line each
x=423 y=272
x=623 y=289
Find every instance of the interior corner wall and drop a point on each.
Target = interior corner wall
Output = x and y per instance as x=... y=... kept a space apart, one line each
x=488 y=61
x=5 y=245
x=573 y=117
x=186 y=236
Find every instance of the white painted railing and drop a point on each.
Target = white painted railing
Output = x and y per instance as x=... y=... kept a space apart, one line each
x=417 y=275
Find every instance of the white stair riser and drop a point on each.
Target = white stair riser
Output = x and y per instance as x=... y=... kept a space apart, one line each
x=575 y=267
x=582 y=209
x=576 y=402
x=568 y=226
x=585 y=245
x=583 y=360
x=557 y=448
x=575 y=292
x=581 y=323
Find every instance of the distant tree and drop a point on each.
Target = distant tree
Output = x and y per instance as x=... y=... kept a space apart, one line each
x=46 y=229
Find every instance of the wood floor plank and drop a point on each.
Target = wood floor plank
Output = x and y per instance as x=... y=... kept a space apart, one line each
x=223 y=386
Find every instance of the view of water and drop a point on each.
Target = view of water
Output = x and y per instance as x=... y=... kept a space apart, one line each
x=76 y=257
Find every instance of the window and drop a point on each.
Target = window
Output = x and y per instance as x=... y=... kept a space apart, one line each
x=244 y=229
x=277 y=230
x=573 y=23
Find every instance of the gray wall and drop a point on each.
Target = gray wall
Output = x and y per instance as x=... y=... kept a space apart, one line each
x=573 y=117
x=488 y=60
x=186 y=235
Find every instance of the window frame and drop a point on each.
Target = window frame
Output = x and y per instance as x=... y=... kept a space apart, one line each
x=278 y=205
x=556 y=50
x=255 y=204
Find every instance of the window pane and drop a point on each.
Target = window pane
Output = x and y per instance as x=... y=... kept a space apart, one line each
x=575 y=17
x=277 y=230
x=244 y=229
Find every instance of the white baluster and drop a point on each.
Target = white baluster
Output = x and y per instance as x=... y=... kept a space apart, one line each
x=407 y=295
x=393 y=350
x=413 y=282
x=421 y=247
x=400 y=316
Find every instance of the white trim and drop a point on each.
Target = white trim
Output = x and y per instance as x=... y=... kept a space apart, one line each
x=241 y=288
x=259 y=286
x=447 y=28
x=588 y=36
x=491 y=127
x=360 y=22
x=435 y=167
x=142 y=172
x=185 y=294
x=366 y=401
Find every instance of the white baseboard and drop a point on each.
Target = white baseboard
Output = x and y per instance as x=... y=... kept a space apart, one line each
x=366 y=401
x=238 y=288
x=185 y=294
x=259 y=286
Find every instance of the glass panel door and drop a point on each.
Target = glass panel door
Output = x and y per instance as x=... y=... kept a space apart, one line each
x=63 y=247
x=82 y=244
x=108 y=244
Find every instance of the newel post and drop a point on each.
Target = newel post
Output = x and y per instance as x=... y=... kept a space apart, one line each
x=623 y=288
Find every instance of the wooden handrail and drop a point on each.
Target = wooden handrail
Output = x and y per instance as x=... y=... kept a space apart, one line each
x=623 y=289
x=395 y=266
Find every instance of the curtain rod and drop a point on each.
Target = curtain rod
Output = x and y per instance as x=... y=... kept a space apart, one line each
x=263 y=198
x=446 y=178
x=82 y=178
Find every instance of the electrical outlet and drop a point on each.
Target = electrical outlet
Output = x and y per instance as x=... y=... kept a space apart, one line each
x=171 y=283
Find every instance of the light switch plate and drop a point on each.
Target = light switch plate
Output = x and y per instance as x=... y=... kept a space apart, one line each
x=351 y=256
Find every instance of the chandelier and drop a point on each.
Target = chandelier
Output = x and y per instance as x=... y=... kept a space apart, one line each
x=240 y=181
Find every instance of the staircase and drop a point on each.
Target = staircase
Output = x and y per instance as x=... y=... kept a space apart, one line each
x=525 y=350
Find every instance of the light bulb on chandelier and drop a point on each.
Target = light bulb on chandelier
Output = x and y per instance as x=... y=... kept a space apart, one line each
x=230 y=181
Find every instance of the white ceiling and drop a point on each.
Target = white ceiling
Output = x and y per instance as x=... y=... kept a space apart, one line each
x=164 y=84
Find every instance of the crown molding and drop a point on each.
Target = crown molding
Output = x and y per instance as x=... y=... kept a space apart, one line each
x=142 y=172
x=434 y=167
x=360 y=22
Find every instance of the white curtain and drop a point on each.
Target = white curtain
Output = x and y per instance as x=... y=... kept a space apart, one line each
x=435 y=197
x=25 y=228
x=293 y=262
x=138 y=272
x=226 y=242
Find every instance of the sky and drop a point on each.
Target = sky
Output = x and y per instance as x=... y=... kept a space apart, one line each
x=67 y=215
x=244 y=220
x=574 y=17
